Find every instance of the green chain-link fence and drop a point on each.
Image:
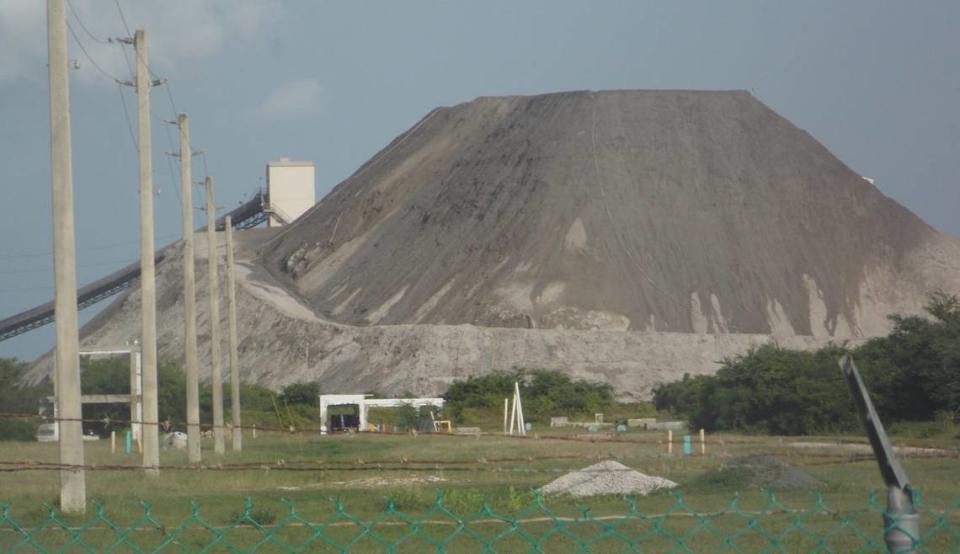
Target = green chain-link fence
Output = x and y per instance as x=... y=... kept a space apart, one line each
x=771 y=527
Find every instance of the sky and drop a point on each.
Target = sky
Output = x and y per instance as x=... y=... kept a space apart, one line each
x=877 y=82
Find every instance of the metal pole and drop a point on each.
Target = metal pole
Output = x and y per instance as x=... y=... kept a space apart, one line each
x=189 y=295
x=67 y=359
x=216 y=379
x=901 y=522
x=148 y=287
x=232 y=340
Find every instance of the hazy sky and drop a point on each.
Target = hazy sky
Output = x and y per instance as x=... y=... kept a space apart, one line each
x=333 y=82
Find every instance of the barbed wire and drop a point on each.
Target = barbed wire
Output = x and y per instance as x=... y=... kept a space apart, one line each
x=294 y=430
x=823 y=453
x=401 y=465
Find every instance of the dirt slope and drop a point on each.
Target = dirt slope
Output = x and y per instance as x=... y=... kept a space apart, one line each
x=283 y=341
x=669 y=211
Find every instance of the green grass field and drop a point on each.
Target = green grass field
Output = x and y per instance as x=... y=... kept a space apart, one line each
x=364 y=470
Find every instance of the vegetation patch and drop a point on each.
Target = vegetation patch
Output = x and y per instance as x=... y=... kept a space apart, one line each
x=911 y=375
x=760 y=471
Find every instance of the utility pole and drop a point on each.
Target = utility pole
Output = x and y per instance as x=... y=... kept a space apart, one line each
x=216 y=379
x=189 y=295
x=73 y=495
x=148 y=285
x=234 y=357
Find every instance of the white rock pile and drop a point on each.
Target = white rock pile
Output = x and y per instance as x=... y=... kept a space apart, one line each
x=607 y=477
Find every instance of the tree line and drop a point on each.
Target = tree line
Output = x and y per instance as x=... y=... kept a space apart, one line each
x=544 y=393
x=295 y=405
x=913 y=375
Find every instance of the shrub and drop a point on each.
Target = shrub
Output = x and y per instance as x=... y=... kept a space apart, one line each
x=545 y=393
x=19 y=399
x=911 y=375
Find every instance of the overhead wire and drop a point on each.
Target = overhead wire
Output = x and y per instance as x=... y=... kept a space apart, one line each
x=81 y=250
x=84 y=27
x=48 y=269
x=126 y=116
x=89 y=57
x=122 y=17
x=165 y=123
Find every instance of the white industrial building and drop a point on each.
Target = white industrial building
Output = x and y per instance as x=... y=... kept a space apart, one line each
x=290 y=190
x=364 y=403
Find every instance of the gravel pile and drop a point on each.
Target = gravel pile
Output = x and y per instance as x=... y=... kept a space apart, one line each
x=607 y=477
x=760 y=471
x=766 y=472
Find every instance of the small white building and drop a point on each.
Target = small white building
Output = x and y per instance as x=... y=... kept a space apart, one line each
x=363 y=404
x=290 y=190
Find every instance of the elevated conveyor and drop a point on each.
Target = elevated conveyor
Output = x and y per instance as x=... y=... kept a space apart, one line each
x=248 y=215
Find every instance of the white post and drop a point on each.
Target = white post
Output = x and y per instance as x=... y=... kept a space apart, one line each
x=134 y=392
x=323 y=419
x=189 y=294
x=216 y=379
x=73 y=496
x=669 y=441
x=236 y=438
x=148 y=289
x=520 y=423
x=506 y=403
x=137 y=428
x=113 y=442
x=363 y=416
x=513 y=411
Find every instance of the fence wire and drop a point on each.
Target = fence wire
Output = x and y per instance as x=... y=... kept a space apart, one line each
x=579 y=436
x=773 y=527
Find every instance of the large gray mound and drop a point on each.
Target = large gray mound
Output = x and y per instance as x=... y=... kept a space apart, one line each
x=608 y=477
x=594 y=218
x=641 y=210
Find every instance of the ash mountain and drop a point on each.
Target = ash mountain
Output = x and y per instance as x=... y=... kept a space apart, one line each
x=624 y=237
x=678 y=211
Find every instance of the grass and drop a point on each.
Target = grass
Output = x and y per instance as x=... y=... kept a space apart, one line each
x=365 y=470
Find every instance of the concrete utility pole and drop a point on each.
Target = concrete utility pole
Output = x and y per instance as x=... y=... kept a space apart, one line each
x=73 y=495
x=234 y=357
x=148 y=285
x=189 y=295
x=216 y=379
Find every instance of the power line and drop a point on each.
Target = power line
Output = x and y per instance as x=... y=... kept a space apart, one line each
x=126 y=58
x=79 y=250
x=173 y=104
x=168 y=89
x=89 y=57
x=47 y=269
x=170 y=97
x=173 y=177
x=84 y=27
x=126 y=116
x=122 y=17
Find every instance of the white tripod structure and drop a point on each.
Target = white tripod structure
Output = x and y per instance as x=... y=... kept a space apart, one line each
x=516 y=412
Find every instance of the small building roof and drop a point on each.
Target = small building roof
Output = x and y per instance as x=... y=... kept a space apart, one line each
x=287 y=162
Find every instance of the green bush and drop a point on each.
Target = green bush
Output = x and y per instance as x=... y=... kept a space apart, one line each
x=260 y=405
x=544 y=393
x=911 y=375
x=767 y=390
x=23 y=430
x=302 y=393
x=18 y=399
